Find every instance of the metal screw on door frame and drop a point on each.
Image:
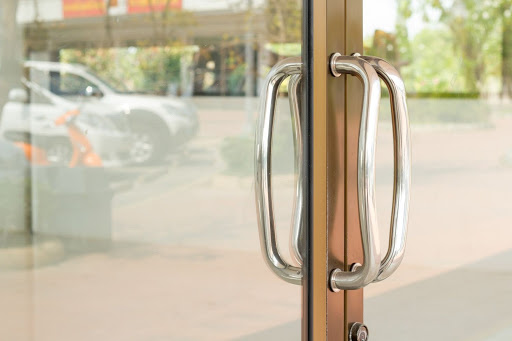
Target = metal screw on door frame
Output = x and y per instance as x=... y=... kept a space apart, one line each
x=358 y=332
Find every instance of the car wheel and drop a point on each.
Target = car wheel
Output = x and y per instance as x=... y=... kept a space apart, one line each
x=148 y=144
x=59 y=153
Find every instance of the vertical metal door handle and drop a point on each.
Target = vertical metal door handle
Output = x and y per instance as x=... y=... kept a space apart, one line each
x=402 y=166
x=366 y=273
x=367 y=70
x=297 y=246
x=263 y=186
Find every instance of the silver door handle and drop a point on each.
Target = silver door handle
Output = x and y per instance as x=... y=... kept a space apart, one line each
x=366 y=190
x=402 y=166
x=290 y=67
x=297 y=246
x=362 y=275
x=368 y=70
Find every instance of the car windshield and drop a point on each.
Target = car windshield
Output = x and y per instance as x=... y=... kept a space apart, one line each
x=119 y=86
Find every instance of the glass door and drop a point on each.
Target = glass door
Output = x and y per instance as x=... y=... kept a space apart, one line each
x=163 y=160
x=127 y=169
x=455 y=279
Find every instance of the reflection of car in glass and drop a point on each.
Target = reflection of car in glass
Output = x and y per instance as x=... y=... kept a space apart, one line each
x=30 y=116
x=158 y=124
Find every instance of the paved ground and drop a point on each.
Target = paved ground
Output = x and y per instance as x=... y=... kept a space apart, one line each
x=184 y=260
x=470 y=303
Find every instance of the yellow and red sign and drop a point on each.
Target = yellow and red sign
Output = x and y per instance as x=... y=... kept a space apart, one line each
x=94 y=8
x=146 y=6
x=83 y=8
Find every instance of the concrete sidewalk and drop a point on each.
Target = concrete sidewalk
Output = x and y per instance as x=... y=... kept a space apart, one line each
x=185 y=261
x=473 y=303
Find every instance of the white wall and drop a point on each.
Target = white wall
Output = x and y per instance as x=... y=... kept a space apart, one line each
x=48 y=10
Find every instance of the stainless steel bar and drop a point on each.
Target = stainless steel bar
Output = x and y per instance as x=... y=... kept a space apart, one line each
x=263 y=185
x=402 y=166
x=366 y=273
x=296 y=236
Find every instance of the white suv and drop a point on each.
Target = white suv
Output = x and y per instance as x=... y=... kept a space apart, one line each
x=30 y=114
x=158 y=124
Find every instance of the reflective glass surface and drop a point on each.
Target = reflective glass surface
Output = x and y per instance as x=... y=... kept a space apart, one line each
x=126 y=169
x=455 y=280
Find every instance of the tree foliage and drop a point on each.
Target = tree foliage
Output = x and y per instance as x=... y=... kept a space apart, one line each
x=434 y=68
x=284 y=20
x=480 y=31
x=148 y=69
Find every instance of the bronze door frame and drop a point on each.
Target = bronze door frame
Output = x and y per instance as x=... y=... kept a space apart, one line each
x=332 y=125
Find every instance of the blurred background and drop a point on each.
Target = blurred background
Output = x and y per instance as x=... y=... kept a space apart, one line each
x=455 y=58
x=127 y=129
x=126 y=166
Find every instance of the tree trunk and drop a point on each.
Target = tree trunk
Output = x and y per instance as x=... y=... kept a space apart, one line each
x=506 y=55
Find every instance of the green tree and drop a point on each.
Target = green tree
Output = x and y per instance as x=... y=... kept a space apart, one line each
x=475 y=26
x=402 y=35
x=395 y=47
x=147 y=69
x=284 y=20
x=434 y=67
x=506 y=48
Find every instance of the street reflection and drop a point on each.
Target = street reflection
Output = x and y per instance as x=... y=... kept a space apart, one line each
x=126 y=166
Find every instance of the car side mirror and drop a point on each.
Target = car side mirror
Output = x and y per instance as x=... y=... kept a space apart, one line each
x=18 y=95
x=92 y=91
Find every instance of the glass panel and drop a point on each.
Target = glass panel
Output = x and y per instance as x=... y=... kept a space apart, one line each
x=455 y=57
x=126 y=168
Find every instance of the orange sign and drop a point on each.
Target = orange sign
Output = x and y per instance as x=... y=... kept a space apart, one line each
x=145 y=6
x=83 y=8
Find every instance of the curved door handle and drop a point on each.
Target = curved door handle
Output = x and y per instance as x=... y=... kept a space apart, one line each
x=297 y=246
x=369 y=70
x=366 y=173
x=263 y=186
x=402 y=166
x=364 y=274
